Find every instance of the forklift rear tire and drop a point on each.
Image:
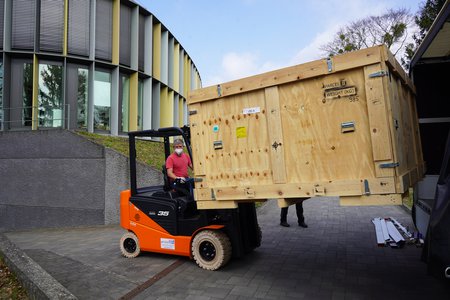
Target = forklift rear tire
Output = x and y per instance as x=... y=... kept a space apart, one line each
x=129 y=245
x=211 y=249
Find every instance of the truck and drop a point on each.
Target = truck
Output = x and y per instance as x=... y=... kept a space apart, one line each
x=343 y=126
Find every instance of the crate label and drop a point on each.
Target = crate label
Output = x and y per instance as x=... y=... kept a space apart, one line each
x=331 y=94
x=251 y=110
x=241 y=132
x=333 y=85
x=167 y=244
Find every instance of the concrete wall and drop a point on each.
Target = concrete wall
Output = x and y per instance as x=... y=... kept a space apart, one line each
x=57 y=178
x=118 y=179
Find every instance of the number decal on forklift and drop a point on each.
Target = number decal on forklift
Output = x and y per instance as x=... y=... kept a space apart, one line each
x=163 y=213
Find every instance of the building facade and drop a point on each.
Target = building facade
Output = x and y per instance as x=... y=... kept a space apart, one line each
x=98 y=65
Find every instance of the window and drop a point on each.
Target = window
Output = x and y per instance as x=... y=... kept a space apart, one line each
x=52 y=25
x=50 y=102
x=141 y=43
x=125 y=35
x=2 y=15
x=102 y=100
x=23 y=24
x=82 y=98
x=27 y=94
x=78 y=27
x=125 y=103
x=140 y=104
x=103 y=30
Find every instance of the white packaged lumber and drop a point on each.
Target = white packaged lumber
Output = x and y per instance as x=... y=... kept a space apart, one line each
x=393 y=232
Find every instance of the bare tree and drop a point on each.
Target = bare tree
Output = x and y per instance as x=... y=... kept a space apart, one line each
x=390 y=28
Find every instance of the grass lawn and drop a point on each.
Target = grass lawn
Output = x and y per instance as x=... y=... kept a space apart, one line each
x=148 y=152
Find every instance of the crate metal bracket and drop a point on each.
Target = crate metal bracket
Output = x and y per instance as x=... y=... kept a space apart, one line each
x=347 y=127
x=366 y=187
x=379 y=74
x=389 y=165
x=329 y=64
x=219 y=90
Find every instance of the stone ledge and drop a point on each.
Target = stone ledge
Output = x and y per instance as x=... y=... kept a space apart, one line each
x=38 y=283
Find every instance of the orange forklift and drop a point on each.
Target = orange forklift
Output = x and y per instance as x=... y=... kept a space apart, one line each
x=165 y=219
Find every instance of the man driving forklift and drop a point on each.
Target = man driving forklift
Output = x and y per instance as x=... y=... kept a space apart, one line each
x=177 y=166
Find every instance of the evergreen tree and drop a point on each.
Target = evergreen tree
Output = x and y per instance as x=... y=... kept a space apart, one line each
x=425 y=17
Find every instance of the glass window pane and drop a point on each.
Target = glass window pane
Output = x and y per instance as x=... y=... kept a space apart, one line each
x=102 y=100
x=50 y=96
x=82 y=98
x=27 y=94
x=140 y=103
x=125 y=103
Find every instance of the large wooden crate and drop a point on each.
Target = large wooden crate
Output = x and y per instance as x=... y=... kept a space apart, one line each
x=345 y=126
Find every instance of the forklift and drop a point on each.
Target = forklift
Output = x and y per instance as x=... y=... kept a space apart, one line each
x=165 y=218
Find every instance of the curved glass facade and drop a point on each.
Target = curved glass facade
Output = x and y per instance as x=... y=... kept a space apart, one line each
x=99 y=65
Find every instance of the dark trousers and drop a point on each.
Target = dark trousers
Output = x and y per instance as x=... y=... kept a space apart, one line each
x=298 y=207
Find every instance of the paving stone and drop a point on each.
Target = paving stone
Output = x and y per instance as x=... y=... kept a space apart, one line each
x=336 y=257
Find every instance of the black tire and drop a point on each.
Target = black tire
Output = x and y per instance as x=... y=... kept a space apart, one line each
x=211 y=249
x=129 y=245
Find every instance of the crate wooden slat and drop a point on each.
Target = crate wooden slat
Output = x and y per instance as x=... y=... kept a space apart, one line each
x=345 y=127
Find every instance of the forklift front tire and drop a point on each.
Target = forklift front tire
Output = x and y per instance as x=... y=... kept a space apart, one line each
x=211 y=249
x=129 y=245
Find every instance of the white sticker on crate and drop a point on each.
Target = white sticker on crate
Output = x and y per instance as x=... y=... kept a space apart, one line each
x=251 y=110
x=167 y=244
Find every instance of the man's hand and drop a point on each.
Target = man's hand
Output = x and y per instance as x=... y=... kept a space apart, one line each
x=181 y=179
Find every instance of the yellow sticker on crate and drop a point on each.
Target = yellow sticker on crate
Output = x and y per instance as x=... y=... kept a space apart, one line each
x=241 y=132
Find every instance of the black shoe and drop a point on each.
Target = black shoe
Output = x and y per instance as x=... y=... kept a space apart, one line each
x=302 y=224
x=285 y=224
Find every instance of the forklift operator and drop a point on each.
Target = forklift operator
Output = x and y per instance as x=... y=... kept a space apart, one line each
x=177 y=163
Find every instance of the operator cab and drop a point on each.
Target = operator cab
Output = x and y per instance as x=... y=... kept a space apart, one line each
x=169 y=205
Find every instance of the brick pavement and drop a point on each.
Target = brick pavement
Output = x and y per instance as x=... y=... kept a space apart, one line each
x=335 y=258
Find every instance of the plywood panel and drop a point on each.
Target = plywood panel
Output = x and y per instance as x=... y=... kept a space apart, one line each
x=243 y=156
x=198 y=143
x=316 y=149
x=377 y=113
x=291 y=74
x=306 y=131
x=275 y=131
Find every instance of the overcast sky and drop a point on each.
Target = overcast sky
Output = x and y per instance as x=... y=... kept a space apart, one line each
x=231 y=39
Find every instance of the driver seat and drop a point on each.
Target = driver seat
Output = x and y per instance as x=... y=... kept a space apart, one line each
x=186 y=202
